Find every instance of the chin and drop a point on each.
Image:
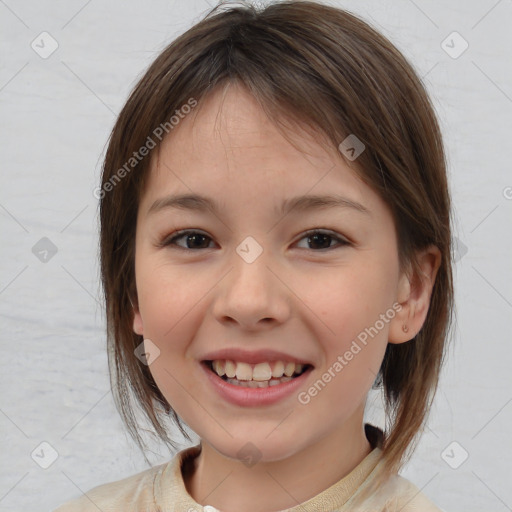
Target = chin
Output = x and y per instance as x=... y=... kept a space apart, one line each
x=253 y=450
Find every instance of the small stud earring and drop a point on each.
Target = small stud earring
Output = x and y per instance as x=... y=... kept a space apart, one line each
x=405 y=328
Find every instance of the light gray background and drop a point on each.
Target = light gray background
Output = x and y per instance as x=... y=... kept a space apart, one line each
x=56 y=116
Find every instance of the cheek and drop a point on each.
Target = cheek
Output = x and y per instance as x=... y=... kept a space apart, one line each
x=354 y=307
x=349 y=301
x=169 y=307
x=165 y=297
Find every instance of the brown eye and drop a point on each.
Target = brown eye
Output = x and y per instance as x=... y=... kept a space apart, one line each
x=193 y=240
x=321 y=240
x=317 y=240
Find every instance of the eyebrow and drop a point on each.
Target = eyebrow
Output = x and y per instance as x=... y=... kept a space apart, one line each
x=299 y=204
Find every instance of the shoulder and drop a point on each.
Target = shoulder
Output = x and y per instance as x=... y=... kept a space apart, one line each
x=410 y=498
x=132 y=493
x=400 y=495
x=396 y=494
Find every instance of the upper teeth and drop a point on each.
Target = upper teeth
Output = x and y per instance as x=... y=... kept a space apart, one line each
x=259 y=372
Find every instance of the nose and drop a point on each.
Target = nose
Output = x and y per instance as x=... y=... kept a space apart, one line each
x=252 y=295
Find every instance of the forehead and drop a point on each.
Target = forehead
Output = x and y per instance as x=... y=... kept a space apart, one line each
x=228 y=148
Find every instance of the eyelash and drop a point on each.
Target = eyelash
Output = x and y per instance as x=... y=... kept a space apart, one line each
x=170 y=240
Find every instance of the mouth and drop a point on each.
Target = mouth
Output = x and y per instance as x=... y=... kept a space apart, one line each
x=261 y=375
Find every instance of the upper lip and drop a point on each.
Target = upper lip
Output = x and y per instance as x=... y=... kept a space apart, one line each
x=252 y=356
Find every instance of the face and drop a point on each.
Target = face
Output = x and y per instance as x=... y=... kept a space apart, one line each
x=253 y=283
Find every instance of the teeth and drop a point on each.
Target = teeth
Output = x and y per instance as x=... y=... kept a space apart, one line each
x=256 y=384
x=289 y=369
x=230 y=369
x=258 y=373
x=262 y=371
x=243 y=371
x=278 y=370
x=218 y=366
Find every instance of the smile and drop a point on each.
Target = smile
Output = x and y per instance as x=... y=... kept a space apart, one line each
x=259 y=375
x=260 y=384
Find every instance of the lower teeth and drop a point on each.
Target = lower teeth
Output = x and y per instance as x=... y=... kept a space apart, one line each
x=258 y=384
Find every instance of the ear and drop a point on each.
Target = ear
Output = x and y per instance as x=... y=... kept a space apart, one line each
x=413 y=294
x=138 y=327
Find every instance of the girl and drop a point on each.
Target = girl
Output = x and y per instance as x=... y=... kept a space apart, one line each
x=275 y=241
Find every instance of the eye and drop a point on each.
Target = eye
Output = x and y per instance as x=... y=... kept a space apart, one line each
x=196 y=240
x=320 y=237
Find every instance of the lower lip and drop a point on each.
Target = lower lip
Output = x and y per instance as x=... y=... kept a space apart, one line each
x=250 y=397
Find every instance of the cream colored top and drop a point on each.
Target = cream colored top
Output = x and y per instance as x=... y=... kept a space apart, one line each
x=162 y=489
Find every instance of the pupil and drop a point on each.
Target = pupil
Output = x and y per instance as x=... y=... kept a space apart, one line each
x=314 y=239
x=319 y=235
x=194 y=238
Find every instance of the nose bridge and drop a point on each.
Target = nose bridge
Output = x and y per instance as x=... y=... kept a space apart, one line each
x=250 y=277
x=251 y=292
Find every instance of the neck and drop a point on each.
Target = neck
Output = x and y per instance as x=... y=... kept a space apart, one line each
x=230 y=486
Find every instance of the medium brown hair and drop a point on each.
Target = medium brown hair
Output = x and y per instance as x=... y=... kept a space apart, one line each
x=330 y=71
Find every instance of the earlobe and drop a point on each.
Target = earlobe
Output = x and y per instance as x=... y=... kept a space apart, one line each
x=137 y=323
x=414 y=293
x=138 y=327
x=399 y=328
